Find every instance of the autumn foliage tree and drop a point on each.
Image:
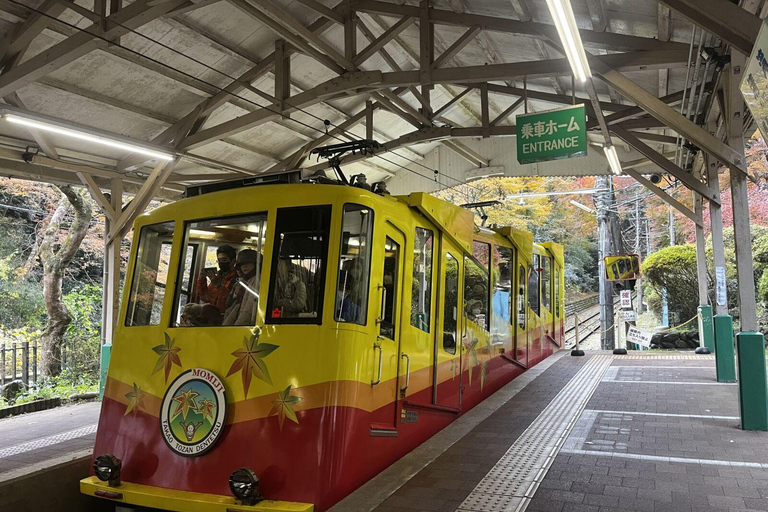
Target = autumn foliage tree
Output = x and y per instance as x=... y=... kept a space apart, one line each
x=57 y=248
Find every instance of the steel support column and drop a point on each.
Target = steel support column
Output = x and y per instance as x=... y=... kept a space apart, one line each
x=741 y=230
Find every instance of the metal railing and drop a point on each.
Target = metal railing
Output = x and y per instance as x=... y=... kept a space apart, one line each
x=18 y=361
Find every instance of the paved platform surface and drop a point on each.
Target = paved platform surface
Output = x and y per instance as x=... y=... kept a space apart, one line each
x=34 y=441
x=618 y=433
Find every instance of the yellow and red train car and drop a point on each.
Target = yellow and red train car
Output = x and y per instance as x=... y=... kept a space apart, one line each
x=360 y=325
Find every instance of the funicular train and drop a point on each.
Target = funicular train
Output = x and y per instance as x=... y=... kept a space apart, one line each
x=359 y=326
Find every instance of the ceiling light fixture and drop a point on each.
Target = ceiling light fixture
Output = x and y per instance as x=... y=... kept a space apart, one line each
x=613 y=159
x=96 y=139
x=569 y=36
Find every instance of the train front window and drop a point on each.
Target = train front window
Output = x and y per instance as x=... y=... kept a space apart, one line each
x=150 y=274
x=298 y=265
x=221 y=271
x=354 y=265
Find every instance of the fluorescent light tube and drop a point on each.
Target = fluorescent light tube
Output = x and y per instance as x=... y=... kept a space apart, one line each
x=613 y=159
x=569 y=37
x=87 y=137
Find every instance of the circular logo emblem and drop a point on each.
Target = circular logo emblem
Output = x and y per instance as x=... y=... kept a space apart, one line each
x=193 y=413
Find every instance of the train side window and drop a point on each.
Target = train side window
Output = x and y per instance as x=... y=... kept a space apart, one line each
x=502 y=283
x=389 y=279
x=150 y=275
x=299 y=261
x=557 y=291
x=533 y=286
x=521 y=298
x=546 y=283
x=421 y=297
x=476 y=293
x=354 y=265
x=186 y=292
x=451 y=303
x=481 y=251
x=222 y=264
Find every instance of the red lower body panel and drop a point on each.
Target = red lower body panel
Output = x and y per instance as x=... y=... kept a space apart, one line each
x=320 y=460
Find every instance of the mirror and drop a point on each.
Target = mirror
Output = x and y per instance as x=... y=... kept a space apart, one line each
x=622 y=267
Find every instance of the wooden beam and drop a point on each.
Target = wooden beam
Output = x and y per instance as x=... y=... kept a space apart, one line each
x=501 y=117
x=327 y=89
x=300 y=42
x=689 y=181
x=383 y=39
x=606 y=40
x=130 y=18
x=457 y=46
x=98 y=196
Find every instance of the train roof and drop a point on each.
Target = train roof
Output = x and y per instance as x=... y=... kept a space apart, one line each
x=456 y=222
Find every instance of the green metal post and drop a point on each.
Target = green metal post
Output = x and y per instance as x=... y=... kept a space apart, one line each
x=753 y=387
x=726 y=367
x=706 y=329
x=106 y=352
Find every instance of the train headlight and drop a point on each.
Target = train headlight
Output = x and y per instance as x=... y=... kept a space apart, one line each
x=244 y=484
x=107 y=468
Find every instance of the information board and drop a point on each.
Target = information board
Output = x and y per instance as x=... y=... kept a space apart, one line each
x=551 y=135
x=626 y=299
x=639 y=337
x=721 y=294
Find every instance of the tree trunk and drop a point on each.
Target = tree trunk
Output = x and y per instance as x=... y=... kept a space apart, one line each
x=58 y=321
x=55 y=261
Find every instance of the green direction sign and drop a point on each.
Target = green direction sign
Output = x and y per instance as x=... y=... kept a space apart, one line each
x=552 y=135
x=754 y=85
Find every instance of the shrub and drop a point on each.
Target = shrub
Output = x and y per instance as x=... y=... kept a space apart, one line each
x=674 y=268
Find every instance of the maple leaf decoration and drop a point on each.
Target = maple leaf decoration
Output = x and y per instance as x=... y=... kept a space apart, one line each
x=185 y=401
x=206 y=407
x=135 y=400
x=471 y=348
x=169 y=355
x=284 y=405
x=250 y=361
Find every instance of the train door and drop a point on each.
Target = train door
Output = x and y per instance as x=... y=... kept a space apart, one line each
x=534 y=305
x=447 y=379
x=389 y=285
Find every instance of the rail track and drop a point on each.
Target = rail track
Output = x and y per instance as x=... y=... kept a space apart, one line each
x=588 y=324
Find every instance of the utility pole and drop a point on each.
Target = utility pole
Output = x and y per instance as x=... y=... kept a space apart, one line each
x=603 y=200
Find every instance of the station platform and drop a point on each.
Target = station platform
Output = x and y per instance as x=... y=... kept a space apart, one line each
x=43 y=455
x=648 y=432
x=599 y=433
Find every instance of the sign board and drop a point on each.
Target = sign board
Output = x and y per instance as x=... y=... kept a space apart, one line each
x=720 y=290
x=639 y=337
x=754 y=85
x=551 y=135
x=629 y=315
x=626 y=299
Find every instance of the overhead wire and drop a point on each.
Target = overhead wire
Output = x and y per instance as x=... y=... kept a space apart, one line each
x=246 y=86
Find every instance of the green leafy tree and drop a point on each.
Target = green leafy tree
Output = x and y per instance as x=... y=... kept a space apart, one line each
x=673 y=268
